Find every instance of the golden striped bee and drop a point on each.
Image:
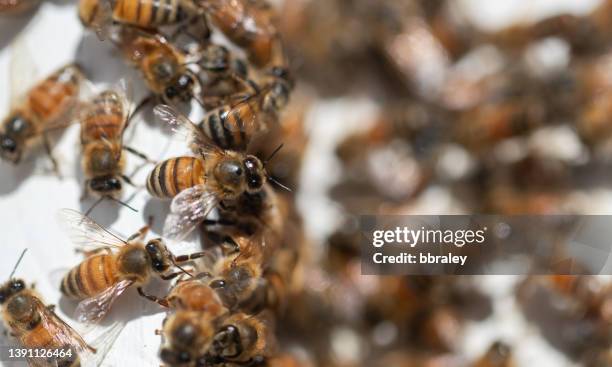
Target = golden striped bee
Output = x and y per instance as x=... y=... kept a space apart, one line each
x=219 y=175
x=151 y=14
x=103 y=123
x=45 y=107
x=36 y=326
x=234 y=124
x=112 y=264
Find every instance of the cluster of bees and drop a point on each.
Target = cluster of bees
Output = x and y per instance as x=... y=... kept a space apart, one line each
x=222 y=299
x=462 y=110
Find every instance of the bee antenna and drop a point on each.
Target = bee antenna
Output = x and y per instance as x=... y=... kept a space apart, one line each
x=273 y=154
x=91 y=208
x=181 y=268
x=121 y=202
x=273 y=180
x=18 y=262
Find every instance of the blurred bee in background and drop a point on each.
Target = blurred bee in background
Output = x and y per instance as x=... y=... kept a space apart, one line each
x=12 y=7
x=221 y=175
x=248 y=24
x=44 y=108
x=36 y=326
x=499 y=354
x=112 y=264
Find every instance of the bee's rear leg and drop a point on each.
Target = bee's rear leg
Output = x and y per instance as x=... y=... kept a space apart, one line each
x=160 y=301
x=47 y=145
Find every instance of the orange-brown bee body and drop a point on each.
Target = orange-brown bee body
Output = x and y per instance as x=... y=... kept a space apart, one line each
x=44 y=106
x=174 y=175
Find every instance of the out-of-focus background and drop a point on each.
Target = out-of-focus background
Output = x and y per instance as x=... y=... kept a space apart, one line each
x=404 y=107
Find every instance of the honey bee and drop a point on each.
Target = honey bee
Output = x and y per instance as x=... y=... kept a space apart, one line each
x=43 y=109
x=201 y=330
x=249 y=25
x=225 y=76
x=163 y=66
x=241 y=339
x=148 y=14
x=35 y=325
x=103 y=122
x=16 y=6
x=233 y=125
x=112 y=265
x=195 y=338
x=216 y=175
x=188 y=335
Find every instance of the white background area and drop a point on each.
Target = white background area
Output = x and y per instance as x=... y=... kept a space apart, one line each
x=30 y=196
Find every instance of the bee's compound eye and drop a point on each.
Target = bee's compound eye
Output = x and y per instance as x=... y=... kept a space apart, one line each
x=8 y=144
x=168 y=356
x=18 y=285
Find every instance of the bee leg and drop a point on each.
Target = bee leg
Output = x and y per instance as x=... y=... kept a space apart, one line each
x=51 y=308
x=141 y=234
x=160 y=301
x=85 y=192
x=128 y=180
x=183 y=258
x=47 y=145
x=138 y=154
x=171 y=275
x=139 y=107
x=158 y=332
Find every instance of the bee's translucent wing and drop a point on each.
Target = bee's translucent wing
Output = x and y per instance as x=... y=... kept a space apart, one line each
x=102 y=339
x=92 y=310
x=85 y=233
x=181 y=125
x=62 y=333
x=188 y=209
x=102 y=19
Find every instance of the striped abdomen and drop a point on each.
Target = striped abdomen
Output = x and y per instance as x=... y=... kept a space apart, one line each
x=174 y=175
x=104 y=119
x=231 y=128
x=90 y=278
x=54 y=96
x=150 y=13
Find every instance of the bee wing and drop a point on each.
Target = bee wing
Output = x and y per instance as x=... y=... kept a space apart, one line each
x=85 y=233
x=102 y=19
x=238 y=103
x=183 y=126
x=62 y=333
x=105 y=340
x=92 y=310
x=188 y=209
